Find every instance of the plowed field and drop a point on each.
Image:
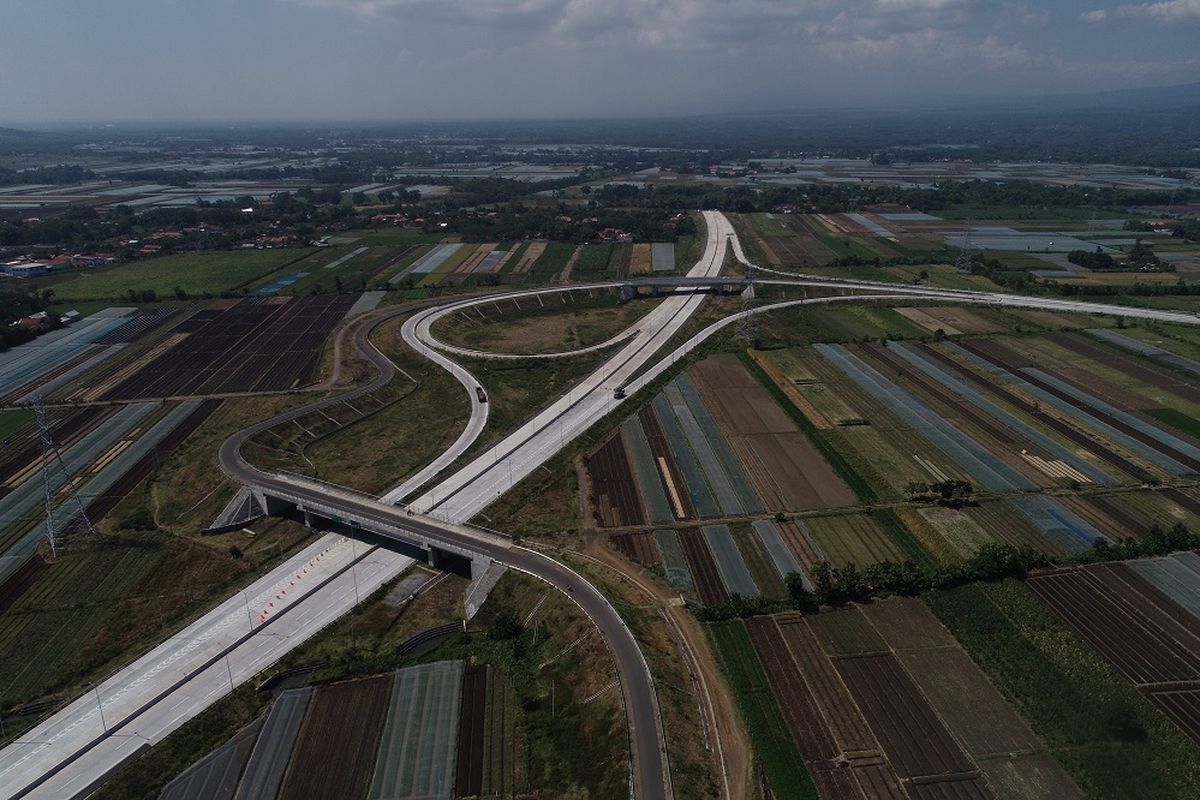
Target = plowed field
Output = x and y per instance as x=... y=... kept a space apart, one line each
x=336 y=750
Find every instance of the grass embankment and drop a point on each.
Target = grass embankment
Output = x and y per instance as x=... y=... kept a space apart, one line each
x=768 y=731
x=1103 y=731
x=195 y=273
x=548 y=326
x=378 y=453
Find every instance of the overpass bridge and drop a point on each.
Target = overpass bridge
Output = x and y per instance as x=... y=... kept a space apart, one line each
x=416 y=535
x=656 y=287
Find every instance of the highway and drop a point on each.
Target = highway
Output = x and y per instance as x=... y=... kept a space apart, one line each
x=143 y=702
x=491 y=473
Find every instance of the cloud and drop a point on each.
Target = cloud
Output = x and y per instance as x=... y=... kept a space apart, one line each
x=1027 y=15
x=919 y=5
x=1168 y=11
x=880 y=31
x=1098 y=15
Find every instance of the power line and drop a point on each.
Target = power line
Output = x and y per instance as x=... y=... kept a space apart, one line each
x=58 y=519
x=963 y=262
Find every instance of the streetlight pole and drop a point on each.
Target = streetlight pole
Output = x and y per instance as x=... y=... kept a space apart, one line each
x=354 y=568
x=99 y=706
x=249 y=619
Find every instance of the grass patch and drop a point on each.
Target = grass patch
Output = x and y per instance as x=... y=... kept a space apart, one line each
x=586 y=319
x=768 y=730
x=593 y=258
x=848 y=247
x=195 y=273
x=1098 y=726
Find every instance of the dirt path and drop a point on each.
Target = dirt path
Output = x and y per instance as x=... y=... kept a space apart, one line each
x=728 y=734
x=565 y=275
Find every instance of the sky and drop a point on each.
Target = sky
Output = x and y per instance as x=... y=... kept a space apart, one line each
x=418 y=60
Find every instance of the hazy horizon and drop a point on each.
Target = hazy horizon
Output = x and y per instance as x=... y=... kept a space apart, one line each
x=417 y=61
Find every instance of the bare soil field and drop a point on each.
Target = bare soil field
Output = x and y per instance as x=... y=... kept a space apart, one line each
x=258 y=344
x=787 y=471
x=704 y=570
x=614 y=488
x=799 y=251
x=637 y=547
x=468 y=781
x=532 y=253
x=335 y=752
x=639 y=259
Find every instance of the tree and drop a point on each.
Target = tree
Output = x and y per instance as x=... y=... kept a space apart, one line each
x=504 y=626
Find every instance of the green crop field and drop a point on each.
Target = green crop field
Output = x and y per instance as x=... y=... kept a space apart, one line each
x=844 y=245
x=552 y=261
x=1107 y=736
x=593 y=258
x=772 y=224
x=11 y=420
x=768 y=730
x=195 y=273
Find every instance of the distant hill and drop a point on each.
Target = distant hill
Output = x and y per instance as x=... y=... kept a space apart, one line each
x=1186 y=95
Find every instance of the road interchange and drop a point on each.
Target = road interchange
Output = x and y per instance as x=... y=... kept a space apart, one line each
x=157 y=693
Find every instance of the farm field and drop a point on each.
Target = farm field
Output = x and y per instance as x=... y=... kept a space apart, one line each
x=1146 y=635
x=784 y=467
x=382 y=737
x=229 y=346
x=880 y=700
x=105 y=453
x=62 y=356
x=1063 y=434
x=197 y=274
x=417 y=749
x=1104 y=732
x=543 y=261
x=355 y=267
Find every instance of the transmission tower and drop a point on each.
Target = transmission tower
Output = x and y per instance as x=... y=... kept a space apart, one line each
x=746 y=322
x=59 y=518
x=963 y=262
